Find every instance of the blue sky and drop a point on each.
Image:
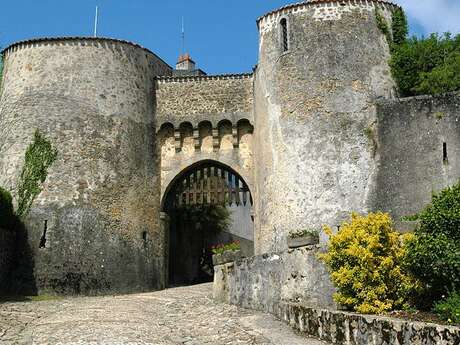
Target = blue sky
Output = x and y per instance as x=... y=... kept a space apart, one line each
x=220 y=35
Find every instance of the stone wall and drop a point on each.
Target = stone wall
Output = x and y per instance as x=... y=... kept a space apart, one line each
x=204 y=98
x=343 y=328
x=411 y=138
x=265 y=282
x=98 y=212
x=7 y=238
x=314 y=163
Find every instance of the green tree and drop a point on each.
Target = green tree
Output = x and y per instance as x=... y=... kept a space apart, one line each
x=399 y=26
x=426 y=65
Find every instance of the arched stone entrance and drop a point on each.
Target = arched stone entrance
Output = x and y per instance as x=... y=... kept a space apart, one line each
x=198 y=202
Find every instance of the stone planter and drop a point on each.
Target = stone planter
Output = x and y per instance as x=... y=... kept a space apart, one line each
x=225 y=257
x=303 y=241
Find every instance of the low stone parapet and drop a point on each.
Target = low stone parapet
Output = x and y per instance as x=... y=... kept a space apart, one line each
x=340 y=327
x=264 y=282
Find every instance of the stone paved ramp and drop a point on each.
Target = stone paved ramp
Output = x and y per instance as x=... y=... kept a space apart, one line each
x=184 y=315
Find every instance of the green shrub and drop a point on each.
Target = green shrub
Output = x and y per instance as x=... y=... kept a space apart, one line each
x=7 y=217
x=449 y=309
x=364 y=259
x=433 y=254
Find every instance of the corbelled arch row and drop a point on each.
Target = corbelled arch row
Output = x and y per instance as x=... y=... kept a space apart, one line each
x=205 y=168
x=184 y=144
x=205 y=136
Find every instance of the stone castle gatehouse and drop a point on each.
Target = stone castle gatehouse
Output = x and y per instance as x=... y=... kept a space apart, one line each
x=315 y=132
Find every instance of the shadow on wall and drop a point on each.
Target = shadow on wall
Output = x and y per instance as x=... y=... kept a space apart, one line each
x=17 y=271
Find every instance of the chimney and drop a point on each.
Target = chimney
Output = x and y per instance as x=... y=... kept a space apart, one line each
x=185 y=63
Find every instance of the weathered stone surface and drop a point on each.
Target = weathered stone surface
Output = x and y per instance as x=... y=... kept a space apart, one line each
x=314 y=163
x=265 y=281
x=171 y=317
x=411 y=135
x=94 y=100
x=205 y=98
x=355 y=329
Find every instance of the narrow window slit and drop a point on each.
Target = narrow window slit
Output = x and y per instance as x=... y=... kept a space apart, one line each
x=444 y=153
x=43 y=238
x=284 y=35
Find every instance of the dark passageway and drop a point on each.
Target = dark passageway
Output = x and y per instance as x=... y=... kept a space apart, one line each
x=201 y=204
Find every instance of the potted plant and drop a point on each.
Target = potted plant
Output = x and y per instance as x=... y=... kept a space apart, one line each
x=224 y=253
x=301 y=238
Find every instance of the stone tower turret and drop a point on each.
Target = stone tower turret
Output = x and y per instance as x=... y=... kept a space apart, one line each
x=98 y=212
x=322 y=65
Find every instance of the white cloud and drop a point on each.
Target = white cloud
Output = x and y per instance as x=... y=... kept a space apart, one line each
x=434 y=15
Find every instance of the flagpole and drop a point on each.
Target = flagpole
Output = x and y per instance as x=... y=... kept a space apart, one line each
x=95 y=23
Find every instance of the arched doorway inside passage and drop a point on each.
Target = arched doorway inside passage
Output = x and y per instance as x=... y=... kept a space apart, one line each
x=207 y=204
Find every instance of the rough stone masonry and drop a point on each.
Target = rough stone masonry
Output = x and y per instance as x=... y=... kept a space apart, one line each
x=316 y=131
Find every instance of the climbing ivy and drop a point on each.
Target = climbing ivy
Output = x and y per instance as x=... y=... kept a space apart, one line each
x=38 y=158
x=383 y=25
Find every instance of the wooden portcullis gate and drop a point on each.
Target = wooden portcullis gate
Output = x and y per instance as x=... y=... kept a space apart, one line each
x=210 y=183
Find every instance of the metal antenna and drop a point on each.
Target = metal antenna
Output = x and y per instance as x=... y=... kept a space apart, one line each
x=183 y=37
x=95 y=22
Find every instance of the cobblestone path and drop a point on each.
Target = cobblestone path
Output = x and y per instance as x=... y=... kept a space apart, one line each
x=185 y=315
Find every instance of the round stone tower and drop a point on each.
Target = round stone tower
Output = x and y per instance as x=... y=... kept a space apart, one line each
x=94 y=226
x=322 y=64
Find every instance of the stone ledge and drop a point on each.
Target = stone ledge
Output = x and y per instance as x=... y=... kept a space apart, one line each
x=340 y=327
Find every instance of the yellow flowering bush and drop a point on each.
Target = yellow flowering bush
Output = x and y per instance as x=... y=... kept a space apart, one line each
x=364 y=259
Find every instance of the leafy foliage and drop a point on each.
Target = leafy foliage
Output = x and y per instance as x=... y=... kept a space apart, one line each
x=212 y=218
x=7 y=216
x=433 y=254
x=364 y=259
x=220 y=248
x=423 y=65
x=38 y=158
x=399 y=26
x=449 y=309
